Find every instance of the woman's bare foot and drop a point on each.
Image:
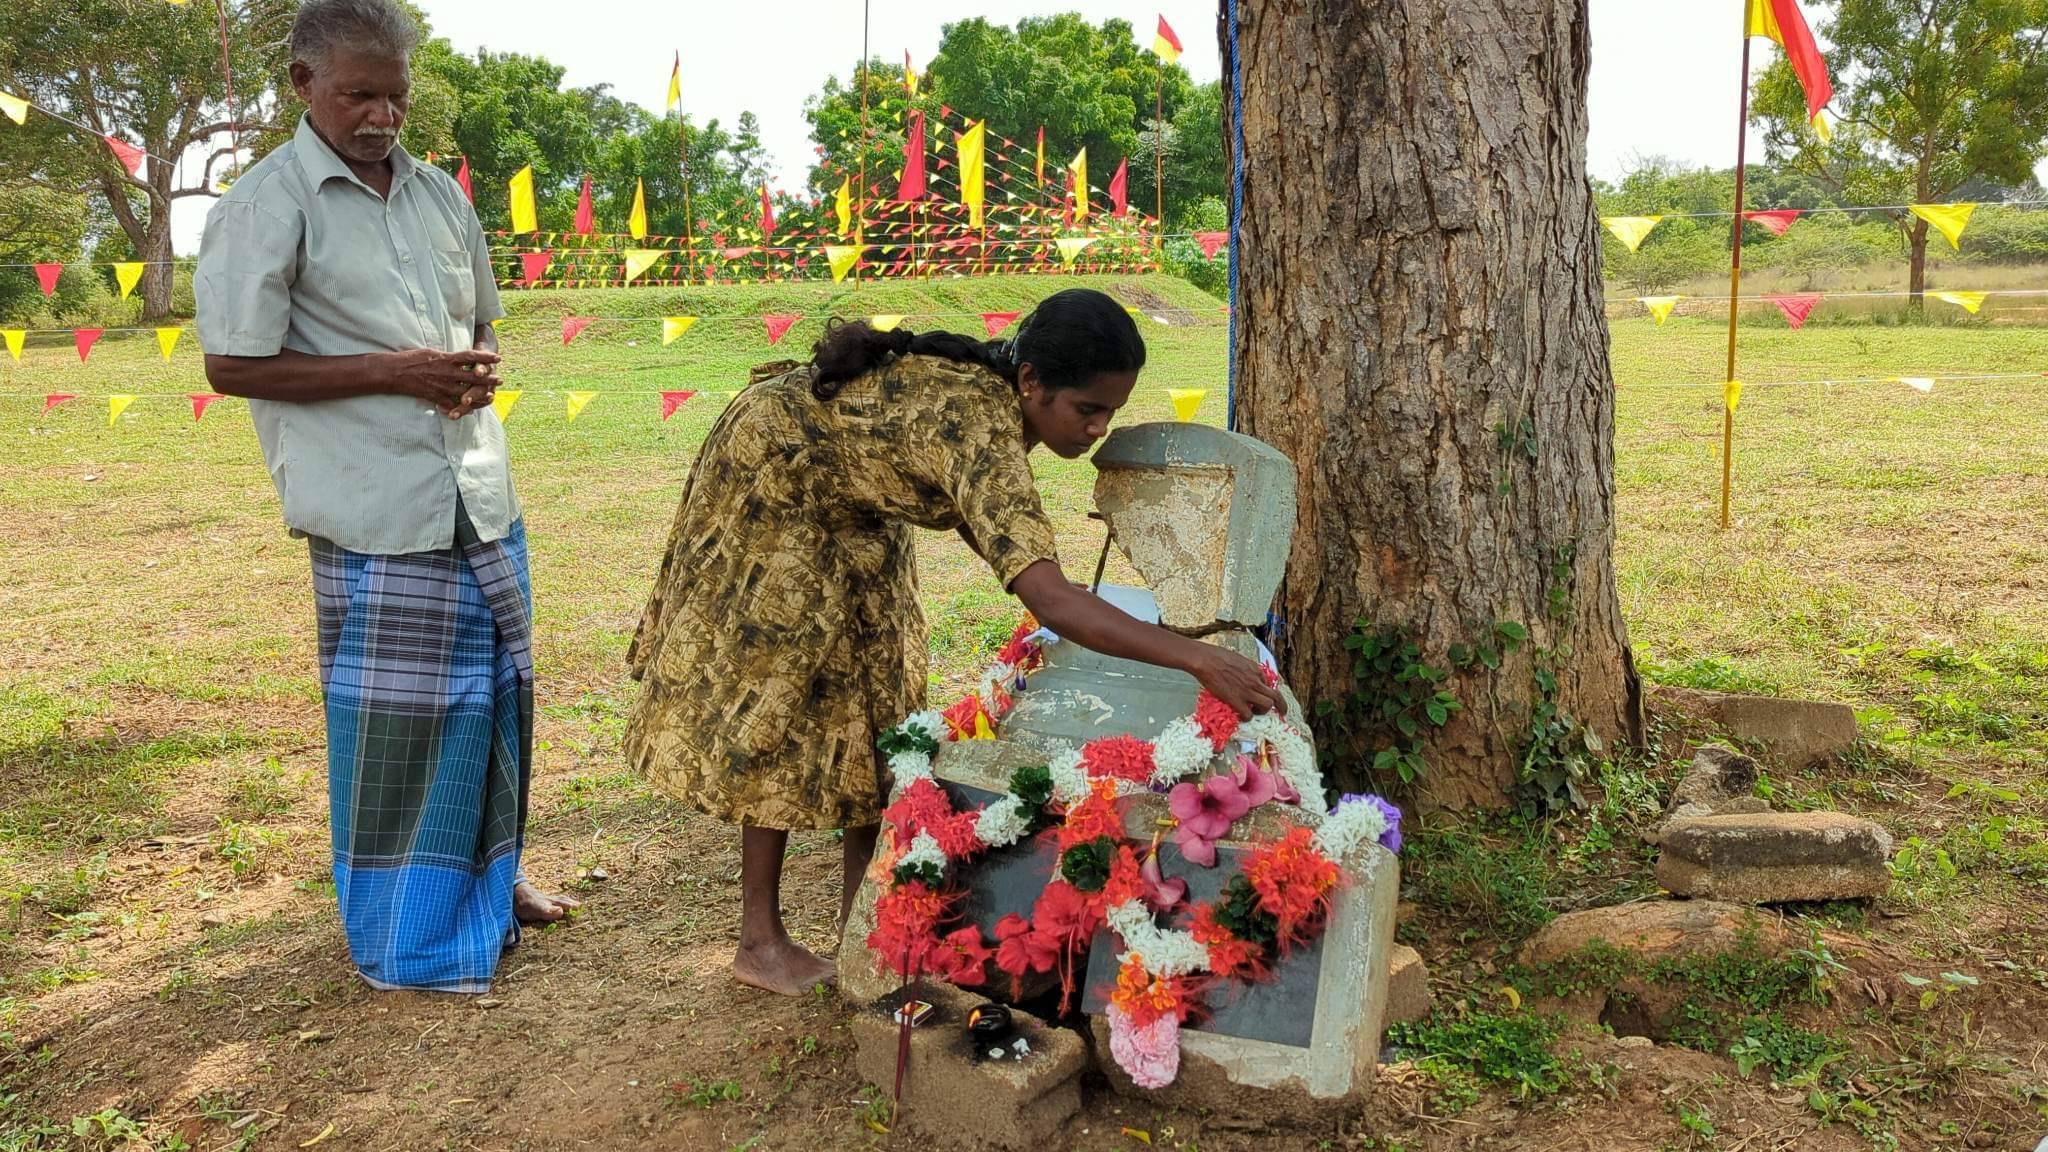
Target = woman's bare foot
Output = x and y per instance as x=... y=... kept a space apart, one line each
x=782 y=966
x=533 y=906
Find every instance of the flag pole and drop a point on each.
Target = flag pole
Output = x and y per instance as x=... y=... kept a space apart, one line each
x=1734 y=282
x=689 y=215
x=860 y=198
x=1159 y=157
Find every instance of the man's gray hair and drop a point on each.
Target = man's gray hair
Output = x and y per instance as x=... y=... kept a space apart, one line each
x=376 y=27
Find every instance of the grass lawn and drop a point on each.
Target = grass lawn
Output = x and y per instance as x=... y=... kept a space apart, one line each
x=162 y=838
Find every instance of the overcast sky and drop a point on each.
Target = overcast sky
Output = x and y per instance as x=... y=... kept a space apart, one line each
x=1665 y=72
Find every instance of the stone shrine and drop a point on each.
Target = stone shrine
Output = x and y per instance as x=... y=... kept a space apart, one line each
x=1206 y=518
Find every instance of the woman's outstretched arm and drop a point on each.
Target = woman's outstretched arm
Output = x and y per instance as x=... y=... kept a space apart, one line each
x=1094 y=623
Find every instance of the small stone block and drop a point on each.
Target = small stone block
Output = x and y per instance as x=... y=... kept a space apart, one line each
x=958 y=1097
x=1772 y=857
x=1408 y=995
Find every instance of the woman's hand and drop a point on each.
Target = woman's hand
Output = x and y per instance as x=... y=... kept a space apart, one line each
x=1238 y=682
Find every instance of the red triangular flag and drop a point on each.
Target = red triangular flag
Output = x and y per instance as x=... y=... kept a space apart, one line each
x=572 y=325
x=200 y=400
x=46 y=275
x=911 y=186
x=462 y=178
x=1118 y=200
x=1795 y=306
x=1776 y=220
x=767 y=214
x=55 y=398
x=1212 y=242
x=84 y=338
x=585 y=222
x=533 y=264
x=128 y=154
x=997 y=321
x=777 y=325
x=670 y=401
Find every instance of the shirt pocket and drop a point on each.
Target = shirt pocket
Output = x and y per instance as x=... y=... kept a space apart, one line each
x=457 y=277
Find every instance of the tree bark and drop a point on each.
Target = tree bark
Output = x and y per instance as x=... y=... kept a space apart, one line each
x=1419 y=328
x=1916 y=274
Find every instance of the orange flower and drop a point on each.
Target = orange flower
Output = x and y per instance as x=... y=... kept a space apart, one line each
x=1293 y=881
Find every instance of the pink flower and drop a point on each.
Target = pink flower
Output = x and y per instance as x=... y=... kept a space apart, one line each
x=1161 y=893
x=1262 y=784
x=1150 y=1055
x=1206 y=812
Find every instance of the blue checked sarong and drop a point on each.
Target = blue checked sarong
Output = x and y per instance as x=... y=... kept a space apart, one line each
x=428 y=669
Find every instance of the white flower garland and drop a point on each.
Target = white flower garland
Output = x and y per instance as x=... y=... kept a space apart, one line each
x=1180 y=750
x=930 y=723
x=1354 y=821
x=1163 y=951
x=1069 y=776
x=924 y=849
x=1003 y=822
x=908 y=766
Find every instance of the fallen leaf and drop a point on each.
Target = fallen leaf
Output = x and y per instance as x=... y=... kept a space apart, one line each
x=1144 y=1138
x=489 y=1002
x=877 y=1126
x=462 y=1100
x=1514 y=997
x=324 y=1134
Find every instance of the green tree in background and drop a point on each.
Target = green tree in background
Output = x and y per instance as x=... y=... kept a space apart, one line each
x=1087 y=86
x=149 y=74
x=1931 y=96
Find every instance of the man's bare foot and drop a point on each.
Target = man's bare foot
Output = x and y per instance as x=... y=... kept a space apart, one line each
x=784 y=967
x=533 y=906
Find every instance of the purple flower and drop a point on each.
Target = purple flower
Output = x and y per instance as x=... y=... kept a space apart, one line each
x=1391 y=839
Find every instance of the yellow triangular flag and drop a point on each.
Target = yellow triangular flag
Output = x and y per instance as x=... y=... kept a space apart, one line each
x=15 y=107
x=167 y=339
x=842 y=259
x=1080 y=170
x=1731 y=394
x=673 y=327
x=503 y=401
x=1186 y=402
x=639 y=260
x=578 y=401
x=521 y=185
x=128 y=274
x=1071 y=246
x=885 y=323
x=636 y=224
x=1630 y=230
x=116 y=405
x=1967 y=301
x=1660 y=306
x=1948 y=219
x=1917 y=383
x=14 y=337
x=842 y=204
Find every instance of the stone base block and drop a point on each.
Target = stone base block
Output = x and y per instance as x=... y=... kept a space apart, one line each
x=1773 y=857
x=1799 y=733
x=1211 y=1078
x=958 y=1096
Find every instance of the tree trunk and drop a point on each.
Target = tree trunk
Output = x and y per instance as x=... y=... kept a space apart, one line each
x=1420 y=330
x=1916 y=275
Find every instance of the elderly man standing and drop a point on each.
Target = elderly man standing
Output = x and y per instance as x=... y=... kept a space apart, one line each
x=345 y=289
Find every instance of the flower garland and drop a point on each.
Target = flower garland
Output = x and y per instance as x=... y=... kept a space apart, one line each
x=1281 y=897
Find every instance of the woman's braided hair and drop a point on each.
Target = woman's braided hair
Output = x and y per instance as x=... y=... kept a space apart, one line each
x=1069 y=339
